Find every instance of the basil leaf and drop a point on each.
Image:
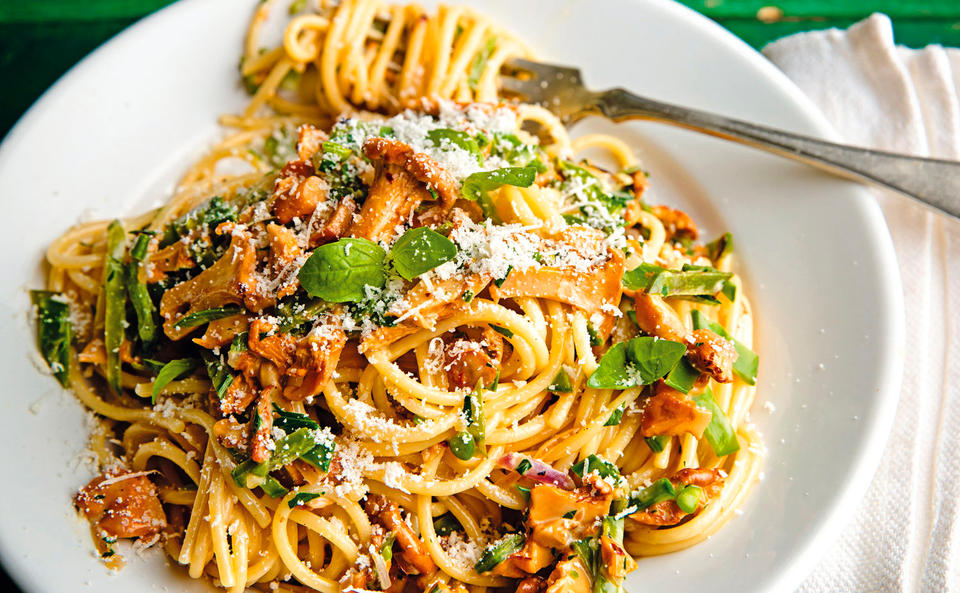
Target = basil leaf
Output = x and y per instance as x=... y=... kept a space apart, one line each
x=612 y=372
x=443 y=136
x=174 y=369
x=420 y=250
x=477 y=185
x=653 y=358
x=338 y=272
x=747 y=363
x=639 y=361
x=54 y=331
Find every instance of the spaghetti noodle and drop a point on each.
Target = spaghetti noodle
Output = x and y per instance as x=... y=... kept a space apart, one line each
x=417 y=349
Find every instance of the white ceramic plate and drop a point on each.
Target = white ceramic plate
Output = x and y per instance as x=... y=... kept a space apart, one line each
x=113 y=134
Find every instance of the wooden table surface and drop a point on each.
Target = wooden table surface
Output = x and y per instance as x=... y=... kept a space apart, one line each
x=41 y=39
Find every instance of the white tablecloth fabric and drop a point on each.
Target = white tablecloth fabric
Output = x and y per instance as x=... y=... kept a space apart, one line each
x=905 y=536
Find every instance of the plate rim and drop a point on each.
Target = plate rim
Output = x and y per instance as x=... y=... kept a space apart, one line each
x=891 y=324
x=871 y=449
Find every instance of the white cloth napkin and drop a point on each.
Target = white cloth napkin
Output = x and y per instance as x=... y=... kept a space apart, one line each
x=906 y=534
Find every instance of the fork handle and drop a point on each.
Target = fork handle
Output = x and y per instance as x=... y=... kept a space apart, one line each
x=931 y=181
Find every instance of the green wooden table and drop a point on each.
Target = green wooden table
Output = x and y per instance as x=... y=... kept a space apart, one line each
x=40 y=39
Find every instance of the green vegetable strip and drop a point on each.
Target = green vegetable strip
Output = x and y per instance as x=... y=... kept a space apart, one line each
x=293 y=319
x=688 y=499
x=479 y=62
x=291 y=447
x=273 y=488
x=595 y=339
x=139 y=295
x=595 y=464
x=658 y=443
x=720 y=247
x=300 y=444
x=498 y=552
x=616 y=416
x=386 y=548
x=473 y=409
x=239 y=342
x=174 y=369
x=249 y=474
x=208 y=214
x=719 y=433
x=462 y=445
x=115 y=301
x=337 y=150
x=682 y=377
x=207 y=315
x=220 y=375
x=291 y=421
x=656 y=280
x=302 y=498
x=657 y=492
x=747 y=362
x=446 y=524
x=457 y=138
x=319 y=457
x=54 y=331
x=613 y=528
x=561 y=383
x=496 y=382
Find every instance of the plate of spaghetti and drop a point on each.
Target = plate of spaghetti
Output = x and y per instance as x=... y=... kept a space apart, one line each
x=347 y=319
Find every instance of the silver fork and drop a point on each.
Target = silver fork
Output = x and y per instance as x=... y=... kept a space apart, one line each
x=560 y=89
